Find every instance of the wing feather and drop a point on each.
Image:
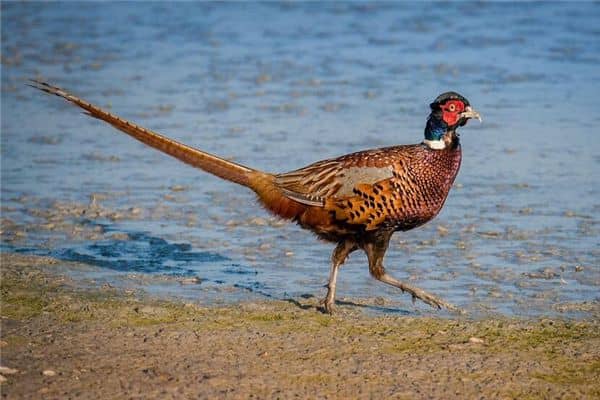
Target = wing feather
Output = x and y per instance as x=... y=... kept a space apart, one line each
x=336 y=178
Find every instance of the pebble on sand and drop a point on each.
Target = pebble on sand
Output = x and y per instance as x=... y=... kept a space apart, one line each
x=7 y=371
x=476 y=340
x=49 y=372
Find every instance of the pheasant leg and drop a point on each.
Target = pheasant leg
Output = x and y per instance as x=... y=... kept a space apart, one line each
x=338 y=257
x=375 y=253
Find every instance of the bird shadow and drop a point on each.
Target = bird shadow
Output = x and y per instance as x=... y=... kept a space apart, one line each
x=318 y=307
x=368 y=307
x=300 y=305
x=374 y=307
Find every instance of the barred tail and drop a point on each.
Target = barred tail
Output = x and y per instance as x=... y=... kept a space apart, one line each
x=197 y=158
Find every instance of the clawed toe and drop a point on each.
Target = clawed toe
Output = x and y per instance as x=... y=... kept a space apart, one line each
x=436 y=302
x=327 y=306
x=417 y=293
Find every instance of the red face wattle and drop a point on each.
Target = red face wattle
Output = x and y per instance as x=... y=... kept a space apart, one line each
x=451 y=111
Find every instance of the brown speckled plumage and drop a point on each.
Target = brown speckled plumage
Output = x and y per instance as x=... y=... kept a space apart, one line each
x=396 y=188
x=357 y=201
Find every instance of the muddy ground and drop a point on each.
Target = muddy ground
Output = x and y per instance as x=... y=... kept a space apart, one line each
x=60 y=340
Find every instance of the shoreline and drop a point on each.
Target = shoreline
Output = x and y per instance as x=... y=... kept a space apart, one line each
x=60 y=340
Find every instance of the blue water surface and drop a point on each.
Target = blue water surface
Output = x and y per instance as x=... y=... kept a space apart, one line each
x=279 y=85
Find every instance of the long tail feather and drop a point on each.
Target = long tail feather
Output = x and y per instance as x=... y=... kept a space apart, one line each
x=197 y=158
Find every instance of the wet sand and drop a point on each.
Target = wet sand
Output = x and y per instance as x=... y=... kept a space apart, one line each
x=60 y=340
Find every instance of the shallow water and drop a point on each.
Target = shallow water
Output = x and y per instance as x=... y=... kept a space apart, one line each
x=277 y=86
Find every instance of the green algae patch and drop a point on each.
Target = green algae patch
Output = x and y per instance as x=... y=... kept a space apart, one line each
x=22 y=304
x=23 y=296
x=567 y=372
x=266 y=317
x=26 y=293
x=154 y=313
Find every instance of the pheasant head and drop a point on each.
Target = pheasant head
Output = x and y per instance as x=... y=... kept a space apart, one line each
x=448 y=111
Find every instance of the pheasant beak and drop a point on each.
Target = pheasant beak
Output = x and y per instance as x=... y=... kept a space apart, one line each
x=470 y=113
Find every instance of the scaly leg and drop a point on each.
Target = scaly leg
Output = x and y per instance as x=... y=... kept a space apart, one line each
x=375 y=253
x=338 y=257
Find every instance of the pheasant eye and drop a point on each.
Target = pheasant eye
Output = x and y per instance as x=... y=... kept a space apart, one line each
x=452 y=107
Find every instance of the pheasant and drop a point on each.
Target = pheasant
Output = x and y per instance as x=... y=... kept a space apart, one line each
x=356 y=201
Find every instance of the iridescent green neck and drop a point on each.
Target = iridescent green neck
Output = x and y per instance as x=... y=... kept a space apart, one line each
x=435 y=129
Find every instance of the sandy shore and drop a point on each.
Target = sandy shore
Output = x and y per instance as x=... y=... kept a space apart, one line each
x=62 y=341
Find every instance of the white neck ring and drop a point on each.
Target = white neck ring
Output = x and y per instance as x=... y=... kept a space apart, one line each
x=435 y=144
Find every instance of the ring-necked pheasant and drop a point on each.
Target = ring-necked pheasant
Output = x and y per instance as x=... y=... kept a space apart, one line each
x=356 y=201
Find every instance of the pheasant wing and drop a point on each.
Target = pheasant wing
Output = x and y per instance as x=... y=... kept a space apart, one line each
x=355 y=188
x=359 y=189
x=334 y=178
